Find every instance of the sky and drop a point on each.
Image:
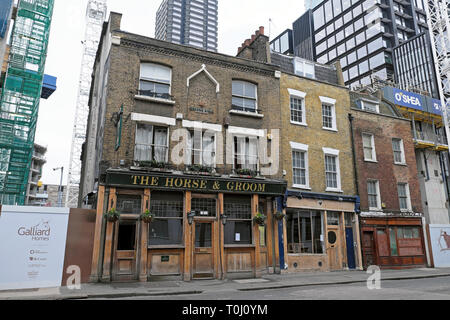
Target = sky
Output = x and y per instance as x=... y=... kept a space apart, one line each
x=238 y=20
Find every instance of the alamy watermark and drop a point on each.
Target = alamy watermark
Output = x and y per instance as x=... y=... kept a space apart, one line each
x=374 y=281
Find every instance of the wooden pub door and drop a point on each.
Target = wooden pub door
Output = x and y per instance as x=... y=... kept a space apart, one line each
x=125 y=252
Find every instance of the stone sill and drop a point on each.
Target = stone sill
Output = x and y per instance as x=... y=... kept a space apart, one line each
x=152 y=99
x=248 y=114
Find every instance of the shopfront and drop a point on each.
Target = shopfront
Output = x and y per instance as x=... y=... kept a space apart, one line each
x=202 y=227
x=393 y=242
x=321 y=232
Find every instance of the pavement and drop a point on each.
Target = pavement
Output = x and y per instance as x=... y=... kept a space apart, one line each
x=157 y=290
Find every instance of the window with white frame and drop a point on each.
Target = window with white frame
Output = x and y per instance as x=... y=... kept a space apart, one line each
x=332 y=170
x=297 y=107
x=244 y=96
x=328 y=113
x=370 y=106
x=201 y=148
x=369 y=147
x=399 y=152
x=151 y=143
x=404 y=196
x=300 y=170
x=304 y=68
x=155 y=80
x=373 y=194
x=246 y=153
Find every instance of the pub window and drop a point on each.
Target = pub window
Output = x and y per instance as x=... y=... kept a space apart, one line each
x=246 y=153
x=167 y=227
x=262 y=229
x=129 y=204
x=155 y=80
x=201 y=148
x=304 y=230
x=151 y=143
x=238 y=229
x=204 y=207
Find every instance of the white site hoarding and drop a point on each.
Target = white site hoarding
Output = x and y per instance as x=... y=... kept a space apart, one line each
x=32 y=246
x=440 y=244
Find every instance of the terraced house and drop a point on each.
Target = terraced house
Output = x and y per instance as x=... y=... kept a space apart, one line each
x=186 y=161
x=321 y=231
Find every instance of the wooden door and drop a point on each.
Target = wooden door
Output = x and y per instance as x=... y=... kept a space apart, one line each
x=125 y=253
x=334 y=247
x=203 y=247
x=368 y=246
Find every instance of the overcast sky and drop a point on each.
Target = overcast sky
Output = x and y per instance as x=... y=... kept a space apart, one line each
x=238 y=20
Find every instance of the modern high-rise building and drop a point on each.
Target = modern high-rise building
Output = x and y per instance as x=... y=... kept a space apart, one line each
x=188 y=22
x=362 y=35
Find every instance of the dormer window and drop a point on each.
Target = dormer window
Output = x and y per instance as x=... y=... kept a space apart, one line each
x=155 y=80
x=304 y=68
x=370 y=106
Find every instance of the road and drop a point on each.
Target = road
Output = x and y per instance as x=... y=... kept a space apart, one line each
x=414 y=289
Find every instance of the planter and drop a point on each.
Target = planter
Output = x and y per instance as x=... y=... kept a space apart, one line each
x=279 y=215
x=112 y=215
x=259 y=219
x=147 y=217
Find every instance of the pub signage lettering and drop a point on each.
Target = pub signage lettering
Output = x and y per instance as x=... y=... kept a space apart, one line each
x=195 y=184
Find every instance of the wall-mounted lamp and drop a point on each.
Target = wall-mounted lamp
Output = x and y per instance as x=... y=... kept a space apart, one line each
x=224 y=218
x=191 y=217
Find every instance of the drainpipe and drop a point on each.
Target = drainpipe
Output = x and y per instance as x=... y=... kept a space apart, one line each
x=281 y=235
x=355 y=169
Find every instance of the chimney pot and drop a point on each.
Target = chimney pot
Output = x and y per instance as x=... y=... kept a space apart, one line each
x=253 y=37
x=261 y=30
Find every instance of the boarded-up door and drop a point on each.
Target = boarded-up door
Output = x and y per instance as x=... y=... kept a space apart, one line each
x=334 y=248
x=369 y=254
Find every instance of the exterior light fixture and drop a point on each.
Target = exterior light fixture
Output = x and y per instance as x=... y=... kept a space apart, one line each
x=191 y=217
x=224 y=218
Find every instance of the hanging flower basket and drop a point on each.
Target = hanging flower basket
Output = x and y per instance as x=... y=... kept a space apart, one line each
x=279 y=215
x=259 y=219
x=112 y=215
x=147 y=216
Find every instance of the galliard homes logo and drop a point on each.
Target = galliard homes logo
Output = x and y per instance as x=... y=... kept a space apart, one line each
x=444 y=241
x=38 y=232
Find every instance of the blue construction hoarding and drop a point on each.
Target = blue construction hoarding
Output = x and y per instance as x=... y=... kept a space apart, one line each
x=5 y=11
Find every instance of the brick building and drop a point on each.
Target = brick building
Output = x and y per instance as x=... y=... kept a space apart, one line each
x=183 y=133
x=392 y=220
x=321 y=230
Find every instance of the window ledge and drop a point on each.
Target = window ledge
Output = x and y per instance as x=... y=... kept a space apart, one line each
x=304 y=124
x=239 y=246
x=400 y=164
x=373 y=161
x=330 y=129
x=153 y=99
x=307 y=254
x=334 y=190
x=298 y=186
x=247 y=113
x=376 y=209
x=159 y=247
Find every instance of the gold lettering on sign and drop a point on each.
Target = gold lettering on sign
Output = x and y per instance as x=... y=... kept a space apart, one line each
x=134 y=179
x=202 y=184
x=169 y=182
x=155 y=181
x=144 y=181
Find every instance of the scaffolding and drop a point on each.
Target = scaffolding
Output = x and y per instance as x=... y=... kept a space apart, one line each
x=20 y=96
x=95 y=16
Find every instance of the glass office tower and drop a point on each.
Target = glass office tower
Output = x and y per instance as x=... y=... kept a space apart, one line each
x=189 y=22
x=361 y=34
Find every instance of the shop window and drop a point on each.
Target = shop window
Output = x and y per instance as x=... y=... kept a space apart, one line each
x=408 y=232
x=129 y=204
x=238 y=229
x=151 y=143
x=126 y=240
x=167 y=227
x=333 y=218
x=304 y=230
x=393 y=242
x=203 y=207
x=245 y=153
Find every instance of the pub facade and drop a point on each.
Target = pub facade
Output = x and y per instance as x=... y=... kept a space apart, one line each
x=181 y=161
